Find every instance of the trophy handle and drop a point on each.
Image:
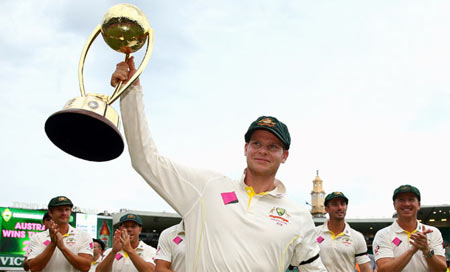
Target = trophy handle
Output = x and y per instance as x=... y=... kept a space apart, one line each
x=117 y=92
x=148 y=54
x=88 y=44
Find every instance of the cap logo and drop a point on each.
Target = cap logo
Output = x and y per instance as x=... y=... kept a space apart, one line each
x=338 y=193
x=131 y=216
x=61 y=198
x=268 y=122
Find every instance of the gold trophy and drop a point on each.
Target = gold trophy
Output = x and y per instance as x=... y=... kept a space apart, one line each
x=88 y=127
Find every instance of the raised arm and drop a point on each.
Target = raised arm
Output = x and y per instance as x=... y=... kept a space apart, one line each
x=178 y=185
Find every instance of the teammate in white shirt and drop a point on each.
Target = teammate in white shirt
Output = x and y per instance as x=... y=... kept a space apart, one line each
x=341 y=247
x=231 y=225
x=99 y=249
x=61 y=247
x=128 y=253
x=408 y=245
x=171 y=248
x=46 y=219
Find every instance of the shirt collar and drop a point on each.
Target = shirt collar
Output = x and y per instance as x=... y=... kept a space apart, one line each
x=399 y=229
x=278 y=191
x=346 y=230
x=140 y=245
x=71 y=231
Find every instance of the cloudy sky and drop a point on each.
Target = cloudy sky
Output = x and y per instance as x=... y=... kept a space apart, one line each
x=364 y=87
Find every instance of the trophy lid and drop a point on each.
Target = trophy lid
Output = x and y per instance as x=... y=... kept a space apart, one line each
x=124 y=28
x=84 y=134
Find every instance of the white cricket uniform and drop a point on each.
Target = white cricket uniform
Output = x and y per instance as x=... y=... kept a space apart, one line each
x=393 y=241
x=171 y=247
x=341 y=252
x=77 y=241
x=227 y=229
x=95 y=263
x=123 y=263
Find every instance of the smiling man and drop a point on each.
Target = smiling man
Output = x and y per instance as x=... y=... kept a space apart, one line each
x=341 y=247
x=408 y=245
x=128 y=252
x=231 y=225
x=61 y=247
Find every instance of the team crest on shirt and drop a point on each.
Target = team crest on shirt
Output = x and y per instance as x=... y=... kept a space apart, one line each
x=347 y=241
x=279 y=215
x=70 y=241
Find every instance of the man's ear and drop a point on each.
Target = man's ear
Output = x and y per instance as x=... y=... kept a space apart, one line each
x=284 y=156
x=245 y=149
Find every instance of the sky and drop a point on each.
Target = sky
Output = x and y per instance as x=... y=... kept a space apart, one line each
x=363 y=86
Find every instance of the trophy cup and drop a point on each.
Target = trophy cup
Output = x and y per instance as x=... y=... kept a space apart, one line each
x=88 y=127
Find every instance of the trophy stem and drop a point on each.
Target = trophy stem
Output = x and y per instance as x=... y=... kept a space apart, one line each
x=127 y=56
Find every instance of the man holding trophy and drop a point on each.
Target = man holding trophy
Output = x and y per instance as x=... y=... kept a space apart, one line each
x=231 y=225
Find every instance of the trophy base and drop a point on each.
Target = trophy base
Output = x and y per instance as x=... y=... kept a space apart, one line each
x=84 y=134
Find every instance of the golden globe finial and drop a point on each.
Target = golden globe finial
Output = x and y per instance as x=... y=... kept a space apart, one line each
x=124 y=28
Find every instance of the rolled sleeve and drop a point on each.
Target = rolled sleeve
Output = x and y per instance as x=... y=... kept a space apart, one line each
x=306 y=253
x=164 y=250
x=361 y=250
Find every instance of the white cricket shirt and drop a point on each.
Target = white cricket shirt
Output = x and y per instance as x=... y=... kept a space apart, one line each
x=171 y=247
x=123 y=263
x=393 y=241
x=341 y=252
x=225 y=231
x=77 y=241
